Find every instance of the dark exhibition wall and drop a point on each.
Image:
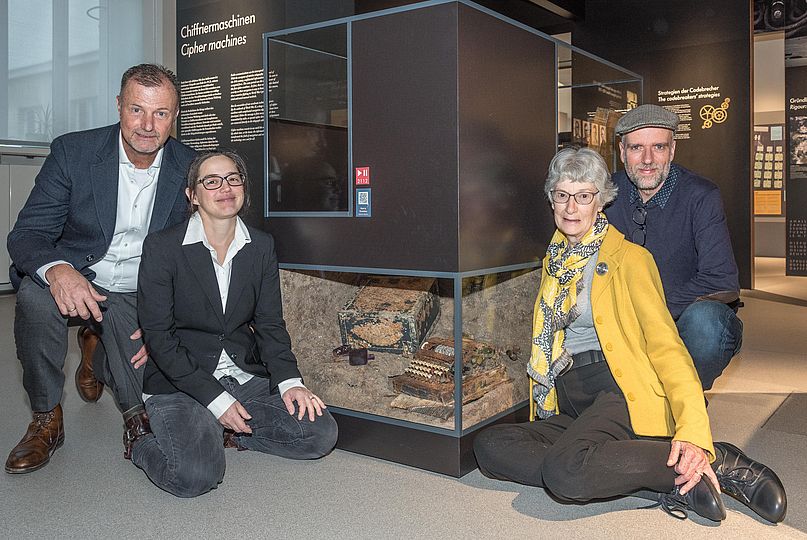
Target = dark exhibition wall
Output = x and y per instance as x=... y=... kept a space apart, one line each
x=694 y=56
x=456 y=171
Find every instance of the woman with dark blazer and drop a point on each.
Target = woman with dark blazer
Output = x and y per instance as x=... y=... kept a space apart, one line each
x=221 y=372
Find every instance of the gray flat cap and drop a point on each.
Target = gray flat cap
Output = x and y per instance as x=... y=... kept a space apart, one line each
x=646 y=116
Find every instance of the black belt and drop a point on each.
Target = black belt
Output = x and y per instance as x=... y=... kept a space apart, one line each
x=586 y=358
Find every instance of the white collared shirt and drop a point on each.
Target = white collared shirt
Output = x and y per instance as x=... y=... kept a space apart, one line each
x=226 y=367
x=117 y=269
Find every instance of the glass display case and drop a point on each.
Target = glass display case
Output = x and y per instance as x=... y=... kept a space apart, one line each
x=412 y=319
x=307 y=122
x=592 y=96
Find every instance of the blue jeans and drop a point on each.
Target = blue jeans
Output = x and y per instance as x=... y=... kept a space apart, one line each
x=713 y=334
x=185 y=454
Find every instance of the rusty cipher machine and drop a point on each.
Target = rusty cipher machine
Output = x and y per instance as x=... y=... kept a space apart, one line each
x=430 y=374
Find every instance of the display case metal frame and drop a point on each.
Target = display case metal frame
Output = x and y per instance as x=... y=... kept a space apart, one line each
x=447 y=451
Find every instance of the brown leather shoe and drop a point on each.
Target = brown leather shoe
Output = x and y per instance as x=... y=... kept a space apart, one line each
x=135 y=425
x=230 y=442
x=89 y=388
x=45 y=434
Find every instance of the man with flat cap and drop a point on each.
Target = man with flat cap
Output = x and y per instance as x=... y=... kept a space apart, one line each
x=678 y=216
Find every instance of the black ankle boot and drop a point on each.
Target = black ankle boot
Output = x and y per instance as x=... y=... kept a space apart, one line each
x=750 y=482
x=703 y=499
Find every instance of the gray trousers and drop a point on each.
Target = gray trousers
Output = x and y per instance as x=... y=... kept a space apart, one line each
x=40 y=332
x=185 y=454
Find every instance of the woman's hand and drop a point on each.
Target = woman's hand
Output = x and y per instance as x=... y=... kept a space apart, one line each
x=141 y=356
x=234 y=418
x=691 y=463
x=306 y=402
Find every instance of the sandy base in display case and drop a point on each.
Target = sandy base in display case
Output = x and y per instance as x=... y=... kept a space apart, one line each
x=497 y=309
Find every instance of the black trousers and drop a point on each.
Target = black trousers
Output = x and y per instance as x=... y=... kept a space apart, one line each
x=588 y=451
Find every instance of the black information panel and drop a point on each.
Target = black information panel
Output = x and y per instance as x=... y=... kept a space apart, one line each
x=796 y=205
x=220 y=67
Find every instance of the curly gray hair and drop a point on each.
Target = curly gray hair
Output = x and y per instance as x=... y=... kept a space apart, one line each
x=581 y=165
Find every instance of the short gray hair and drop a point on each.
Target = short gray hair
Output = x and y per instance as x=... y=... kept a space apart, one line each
x=581 y=165
x=150 y=76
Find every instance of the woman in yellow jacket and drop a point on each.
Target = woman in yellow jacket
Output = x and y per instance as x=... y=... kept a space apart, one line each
x=620 y=405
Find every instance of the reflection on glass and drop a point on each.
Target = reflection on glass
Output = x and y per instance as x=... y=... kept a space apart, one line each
x=592 y=96
x=307 y=122
x=497 y=336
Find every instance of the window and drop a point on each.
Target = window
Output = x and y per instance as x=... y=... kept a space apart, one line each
x=63 y=63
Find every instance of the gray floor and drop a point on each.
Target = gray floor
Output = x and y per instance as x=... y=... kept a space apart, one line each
x=89 y=491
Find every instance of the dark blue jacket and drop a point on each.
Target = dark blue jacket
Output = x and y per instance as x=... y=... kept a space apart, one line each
x=185 y=328
x=689 y=238
x=70 y=213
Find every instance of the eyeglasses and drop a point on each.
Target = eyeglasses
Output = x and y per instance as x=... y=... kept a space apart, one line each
x=214 y=181
x=581 y=197
x=639 y=236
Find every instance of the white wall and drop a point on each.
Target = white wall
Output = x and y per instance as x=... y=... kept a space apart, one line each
x=769 y=78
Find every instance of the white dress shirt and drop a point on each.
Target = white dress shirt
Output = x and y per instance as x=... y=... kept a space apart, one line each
x=117 y=270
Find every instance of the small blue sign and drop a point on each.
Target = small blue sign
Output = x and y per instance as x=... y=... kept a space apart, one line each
x=363 y=203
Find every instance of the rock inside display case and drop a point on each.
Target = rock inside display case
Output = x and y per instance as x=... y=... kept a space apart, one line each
x=408 y=212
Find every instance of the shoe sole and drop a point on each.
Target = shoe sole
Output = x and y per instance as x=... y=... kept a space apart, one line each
x=26 y=470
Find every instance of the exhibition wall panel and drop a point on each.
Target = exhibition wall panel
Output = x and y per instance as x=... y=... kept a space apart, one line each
x=796 y=162
x=695 y=58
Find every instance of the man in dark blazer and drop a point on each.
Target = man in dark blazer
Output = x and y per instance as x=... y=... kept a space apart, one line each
x=76 y=250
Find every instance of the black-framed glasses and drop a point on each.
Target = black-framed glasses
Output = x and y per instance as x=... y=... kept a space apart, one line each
x=639 y=236
x=214 y=181
x=581 y=197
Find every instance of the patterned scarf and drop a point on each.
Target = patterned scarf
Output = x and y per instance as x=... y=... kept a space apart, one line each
x=555 y=309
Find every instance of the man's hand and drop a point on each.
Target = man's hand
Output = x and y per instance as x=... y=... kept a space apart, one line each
x=74 y=295
x=691 y=463
x=142 y=355
x=234 y=418
x=306 y=402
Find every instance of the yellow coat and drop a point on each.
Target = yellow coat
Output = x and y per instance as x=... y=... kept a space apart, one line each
x=642 y=348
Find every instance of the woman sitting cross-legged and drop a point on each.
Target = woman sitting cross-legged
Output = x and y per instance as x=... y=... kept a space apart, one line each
x=220 y=372
x=620 y=406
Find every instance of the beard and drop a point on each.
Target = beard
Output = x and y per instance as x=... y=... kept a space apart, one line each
x=651 y=182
